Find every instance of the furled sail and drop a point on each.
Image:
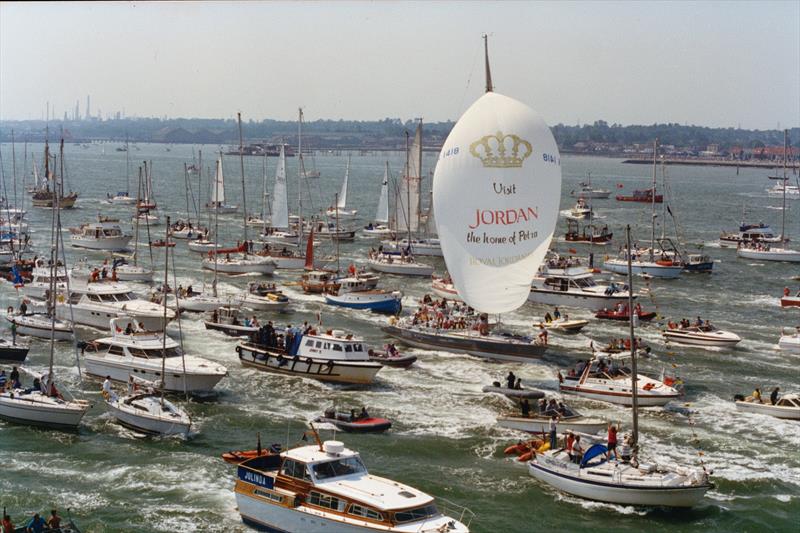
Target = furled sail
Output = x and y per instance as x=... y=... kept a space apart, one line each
x=496 y=193
x=280 y=202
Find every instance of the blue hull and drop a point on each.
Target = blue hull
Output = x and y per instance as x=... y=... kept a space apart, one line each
x=391 y=306
x=700 y=267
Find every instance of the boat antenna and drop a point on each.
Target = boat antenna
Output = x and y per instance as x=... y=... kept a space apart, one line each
x=316 y=436
x=634 y=373
x=489 y=87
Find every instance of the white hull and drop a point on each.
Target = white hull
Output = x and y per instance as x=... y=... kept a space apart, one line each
x=708 y=339
x=262 y=303
x=430 y=248
x=98 y=316
x=613 y=394
x=252 y=265
x=40 y=327
x=288 y=263
x=134 y=273
x=790 y=343
x=122 y=200
x=575 y=298
x=401 y=269
x=203 y=246
x=788 y=413
x=38 y=289
x=774 y=254
x=606 y=492
x=201 y=303
x=36 y=409
x=160 y=424
x=539 y=425
x=121 y=368
x=111 y=244
x=643 y=268
x=223 y=209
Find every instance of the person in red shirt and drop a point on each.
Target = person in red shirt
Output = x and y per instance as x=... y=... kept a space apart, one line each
x=8 y=526
x=612 y=441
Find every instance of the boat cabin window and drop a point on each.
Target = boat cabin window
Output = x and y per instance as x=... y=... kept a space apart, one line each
x=107 y=297
x=125 y=297
x=365 y=512
x=319 y=344
x=295 y=469
x=310 y=343
x=348 y=348
x=337 y=347
x=94 y=298
x=327 y=346
x=136 y=352
x=74 y=298
x=116 y=350
x=358 y=348
x=328 y=502
x=420 y=513
x=341 y=467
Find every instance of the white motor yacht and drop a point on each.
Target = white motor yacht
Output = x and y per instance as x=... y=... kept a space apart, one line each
x=606 y=378
x=790 y=342
x=203 y=246
x=564 y=282
x=105 y=234
x=643 y=264
x=131 y=351
x=326 y=487
x=40 y=280
x=264 y=297
x=330 y=356
x=787 y=406
x=749 y=233
x=778 y=190
x=705 y=335
x=580 y=211
x=94 y=303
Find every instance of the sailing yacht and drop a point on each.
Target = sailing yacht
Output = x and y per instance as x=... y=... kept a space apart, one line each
x=340 y=209
x=768 y=252
x=651 y=262
x=44 y=404
x=217 y=202
x=379 y=227
x=624 y=480
x=146 y=204
x=43 y=196
x=408 y=209
x=124 y=197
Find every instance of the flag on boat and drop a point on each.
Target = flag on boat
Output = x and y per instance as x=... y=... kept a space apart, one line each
x=18 y=281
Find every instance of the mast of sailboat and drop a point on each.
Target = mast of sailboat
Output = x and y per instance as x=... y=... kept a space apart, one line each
x=56 y=228
x=216 y=224
x=408 y=193
x=785 y=182
x=336 y=207
x=136 y=225
x=653 y=206
x=634 y=370
x=127 y=168
x=14 y=168
x=61 y=168
x=164 y=329
x=664 y=203
x=301 y=173
x=244 y=191
x=264 y=195
x=489 y=87
x=186 y=191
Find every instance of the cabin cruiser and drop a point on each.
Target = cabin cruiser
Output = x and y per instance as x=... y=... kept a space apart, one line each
x=587 y=191
x=430 y=246
x=700 y=335
x=94 y=302
x=565 y=282
x=749 y=233
x=326 y=487
x=186 y=230
x=105 y=234
x=133 y=351
x=228 y=320
x=786 y=406
x=590 y=234
x=643 y=263
x=121 y=198
x=779 y=190
x=767 y=252
x=39 y=285
x=203 y=245
x=326 y=356
x=125 y=271
x=398 y=263
x=580 y=211
x=240 y=263
x=605 y=377
x=264 y=297
x=320 y=281
x=378 y=230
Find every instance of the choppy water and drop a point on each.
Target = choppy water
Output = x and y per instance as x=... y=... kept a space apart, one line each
x=444 y=440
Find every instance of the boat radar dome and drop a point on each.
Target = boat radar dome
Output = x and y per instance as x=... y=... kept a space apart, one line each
x=333 y=447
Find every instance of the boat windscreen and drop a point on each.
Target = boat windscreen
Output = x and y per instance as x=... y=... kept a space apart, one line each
x=341 y=467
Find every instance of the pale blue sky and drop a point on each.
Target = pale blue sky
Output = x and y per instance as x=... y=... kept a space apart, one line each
x=708 y=63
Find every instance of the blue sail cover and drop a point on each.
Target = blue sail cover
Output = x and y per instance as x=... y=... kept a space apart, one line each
x=591 y=453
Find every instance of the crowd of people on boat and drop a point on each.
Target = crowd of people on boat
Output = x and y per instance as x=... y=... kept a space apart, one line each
x=36 y=524
x=43 y=384
x=269 y=337
x=404 y=256
x=685 y=323
x=450 y=315
x=756 y=396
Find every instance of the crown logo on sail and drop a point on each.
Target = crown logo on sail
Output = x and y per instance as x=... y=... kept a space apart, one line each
x=501 y=151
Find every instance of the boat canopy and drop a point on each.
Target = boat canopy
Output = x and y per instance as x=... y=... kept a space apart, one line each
x=591 y=453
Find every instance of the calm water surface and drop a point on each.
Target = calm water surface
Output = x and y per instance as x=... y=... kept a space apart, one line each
x=444 y=439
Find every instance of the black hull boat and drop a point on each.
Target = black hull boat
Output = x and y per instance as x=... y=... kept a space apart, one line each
x=350 y=424
x=12 y=353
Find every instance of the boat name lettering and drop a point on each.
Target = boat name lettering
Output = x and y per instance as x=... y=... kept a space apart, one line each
x=505 y=217
x=255 y=478
x=549 y=158
x=501 y=188
x=450 y=151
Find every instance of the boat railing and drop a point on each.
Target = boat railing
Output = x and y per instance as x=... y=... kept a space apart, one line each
x=283 y=360
x=452 y=509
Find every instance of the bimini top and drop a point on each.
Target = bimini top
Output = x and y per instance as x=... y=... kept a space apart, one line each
x=594 y=451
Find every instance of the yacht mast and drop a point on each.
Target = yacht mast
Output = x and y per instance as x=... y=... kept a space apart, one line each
x=55 y=227
x=164 y=332
x=127 y=168
x=634 y=370
x=785 y=182
x=136 y=225
x=244 y=191
x=216 y=225
x=408 y=194
x=653 y=205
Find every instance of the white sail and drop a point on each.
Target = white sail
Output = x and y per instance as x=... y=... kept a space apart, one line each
x=407 y=201
x=382 y=215
x=343 y=194
x=218 y=187
x=430 y=220
x=280 y=202
x=496 y=194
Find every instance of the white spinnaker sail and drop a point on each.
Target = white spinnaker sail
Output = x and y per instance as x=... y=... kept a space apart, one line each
x=496 y=193
x=280 y=202
x=407 y=201
x=218 y=187
x=382 y=215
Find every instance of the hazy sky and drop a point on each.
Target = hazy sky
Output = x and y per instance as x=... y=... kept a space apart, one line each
x=708 y=63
